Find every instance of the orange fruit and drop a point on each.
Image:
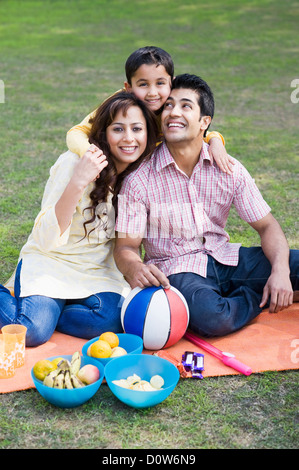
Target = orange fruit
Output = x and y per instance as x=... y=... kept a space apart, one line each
x=100 y=349
x=56 y=361
x=111 y=338
x=42 y=368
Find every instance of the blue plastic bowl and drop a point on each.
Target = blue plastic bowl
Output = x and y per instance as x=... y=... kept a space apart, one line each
x=133 y=344
x=65 y=398
x=145 y=366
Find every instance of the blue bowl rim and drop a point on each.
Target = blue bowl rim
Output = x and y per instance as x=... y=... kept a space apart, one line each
x=161 y=359
x=108 y=359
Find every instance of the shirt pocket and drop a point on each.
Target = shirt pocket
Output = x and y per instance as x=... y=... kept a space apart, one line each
x=187 y=222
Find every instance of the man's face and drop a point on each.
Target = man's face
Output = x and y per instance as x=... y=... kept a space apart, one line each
x=181 y=116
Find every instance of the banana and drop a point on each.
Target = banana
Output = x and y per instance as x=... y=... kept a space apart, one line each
x=76 y=381
x=67 y=380
x=64 y=365
x=75 y=363
x=59 y=380
x=65 y=376
x=49 y=379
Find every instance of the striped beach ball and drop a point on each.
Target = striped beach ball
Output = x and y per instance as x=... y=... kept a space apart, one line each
x=159 y=316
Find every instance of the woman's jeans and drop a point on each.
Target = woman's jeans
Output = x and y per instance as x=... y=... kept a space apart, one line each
x=229 y=297
x=84 y=318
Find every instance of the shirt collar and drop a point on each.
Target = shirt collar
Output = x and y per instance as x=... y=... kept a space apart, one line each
x=164 y=158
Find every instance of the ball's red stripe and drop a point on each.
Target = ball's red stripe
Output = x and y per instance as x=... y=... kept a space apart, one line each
x=178 y=317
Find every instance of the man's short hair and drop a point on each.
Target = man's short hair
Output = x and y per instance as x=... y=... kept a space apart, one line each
x=148 y=55
x=205 y=95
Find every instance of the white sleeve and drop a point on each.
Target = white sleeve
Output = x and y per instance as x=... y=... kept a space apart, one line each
x=46 y=231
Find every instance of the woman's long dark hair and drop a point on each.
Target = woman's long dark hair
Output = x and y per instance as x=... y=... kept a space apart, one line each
x=109 y=181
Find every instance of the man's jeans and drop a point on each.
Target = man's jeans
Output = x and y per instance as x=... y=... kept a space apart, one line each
x=84 y=318
x=229 y=297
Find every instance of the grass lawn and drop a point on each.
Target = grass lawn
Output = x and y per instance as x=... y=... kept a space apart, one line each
x=58 y=60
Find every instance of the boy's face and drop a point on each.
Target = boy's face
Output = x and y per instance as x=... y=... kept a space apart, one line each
x=151 y=84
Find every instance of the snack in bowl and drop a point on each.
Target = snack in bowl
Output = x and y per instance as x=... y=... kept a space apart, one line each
x=127 y=375
x=134 y=382
x=42 y=368
x=71 y=389
x=88 y=374
x=128 y=344
x=111 y=338
x=107 y=345
x=118 y=351
x=100 y=349
x=56 y=360
x=67 y=374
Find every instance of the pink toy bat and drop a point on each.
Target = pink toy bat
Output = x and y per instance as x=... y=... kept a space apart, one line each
x=227 y=358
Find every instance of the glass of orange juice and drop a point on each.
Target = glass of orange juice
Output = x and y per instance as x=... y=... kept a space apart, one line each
x=14 y=339
x=7 y=359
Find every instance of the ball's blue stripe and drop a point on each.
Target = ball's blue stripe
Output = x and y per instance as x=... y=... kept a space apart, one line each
x=136 y=311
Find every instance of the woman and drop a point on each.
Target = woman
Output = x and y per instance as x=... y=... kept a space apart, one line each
x=66 y=278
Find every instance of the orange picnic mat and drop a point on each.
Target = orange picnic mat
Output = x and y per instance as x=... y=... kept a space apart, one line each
x=270 y=342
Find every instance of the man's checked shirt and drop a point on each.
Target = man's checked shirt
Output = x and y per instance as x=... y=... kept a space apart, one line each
x=183 y=219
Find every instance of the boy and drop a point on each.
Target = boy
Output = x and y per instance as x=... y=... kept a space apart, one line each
x=149 y=73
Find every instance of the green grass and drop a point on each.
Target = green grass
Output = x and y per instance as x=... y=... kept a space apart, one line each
x=58 y=60
x=218 y=413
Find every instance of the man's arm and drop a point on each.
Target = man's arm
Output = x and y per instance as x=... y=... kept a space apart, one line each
x=276 y=249
x=128 y=261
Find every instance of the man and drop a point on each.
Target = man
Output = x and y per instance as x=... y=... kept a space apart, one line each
x=177 y=205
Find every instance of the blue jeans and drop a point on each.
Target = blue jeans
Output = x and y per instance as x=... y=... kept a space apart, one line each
x=229 y=297
x=84 y=318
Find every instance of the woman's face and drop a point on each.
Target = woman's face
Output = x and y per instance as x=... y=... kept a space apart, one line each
x=127 y=137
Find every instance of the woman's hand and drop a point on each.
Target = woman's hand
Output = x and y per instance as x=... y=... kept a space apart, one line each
x=89 y=167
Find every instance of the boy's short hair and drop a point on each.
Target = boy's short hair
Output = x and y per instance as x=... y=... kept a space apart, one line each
x=148 y=55
x=205 y=95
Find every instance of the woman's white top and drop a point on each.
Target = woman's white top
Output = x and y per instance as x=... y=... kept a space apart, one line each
x=70 y=265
